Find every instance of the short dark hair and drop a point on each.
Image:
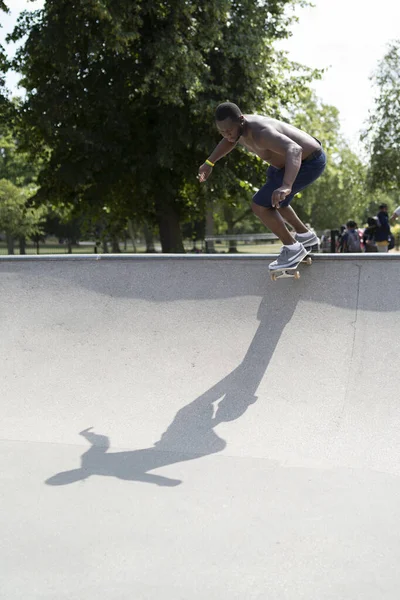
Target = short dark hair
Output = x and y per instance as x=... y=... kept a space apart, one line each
x=351 y=224
x=382 y=206
x=227 y=110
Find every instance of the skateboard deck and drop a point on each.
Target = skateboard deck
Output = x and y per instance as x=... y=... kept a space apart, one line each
x=290 y=272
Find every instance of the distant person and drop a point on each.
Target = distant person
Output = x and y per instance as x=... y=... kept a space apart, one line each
x=369 y=235
x=396 y=214
x=326 y=241
x=351 y=238
x=296 y=160
x=339 y=242
x=383 y=233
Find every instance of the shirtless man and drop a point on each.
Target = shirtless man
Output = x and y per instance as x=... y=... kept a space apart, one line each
x=296 y=160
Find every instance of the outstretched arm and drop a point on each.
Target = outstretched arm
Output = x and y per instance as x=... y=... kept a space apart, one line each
x=395 y=214
x=222 y=149
x=96 y=440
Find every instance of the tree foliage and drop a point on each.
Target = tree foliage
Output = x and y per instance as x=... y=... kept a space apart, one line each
x=4 y=102
x=15 y=165
x=121 y=95
x=383 y=135
x=16 y=218
x=18 y=172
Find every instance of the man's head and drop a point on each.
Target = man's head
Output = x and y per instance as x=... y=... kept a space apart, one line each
x=383 y=207
x=229 y=121
x=351 y=225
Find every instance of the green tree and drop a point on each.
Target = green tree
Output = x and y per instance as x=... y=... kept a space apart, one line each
x=61 y=223
x=16 y=218
x=383 y=134
x=15 y=165
x=123 y=95
x=4 y=102
x=21 y=171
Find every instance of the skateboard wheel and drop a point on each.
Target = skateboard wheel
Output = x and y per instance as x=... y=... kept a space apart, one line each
x=309 y=260
x=296 y=275
x=273 y=276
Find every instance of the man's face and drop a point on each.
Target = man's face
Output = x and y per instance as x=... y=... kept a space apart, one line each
x=230 y=129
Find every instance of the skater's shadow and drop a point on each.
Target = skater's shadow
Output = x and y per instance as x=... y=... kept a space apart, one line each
x=192 y=433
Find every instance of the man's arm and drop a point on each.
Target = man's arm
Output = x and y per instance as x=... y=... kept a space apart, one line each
x=223 y=148
x=269 y=138
x=395 y=214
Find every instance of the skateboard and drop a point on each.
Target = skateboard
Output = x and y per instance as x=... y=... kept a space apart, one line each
x=290 y=271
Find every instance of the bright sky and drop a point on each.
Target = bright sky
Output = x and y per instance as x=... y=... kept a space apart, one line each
x=348 y=37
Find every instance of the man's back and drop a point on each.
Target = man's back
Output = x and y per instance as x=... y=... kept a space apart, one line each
x=351 y=241
x=256 y=123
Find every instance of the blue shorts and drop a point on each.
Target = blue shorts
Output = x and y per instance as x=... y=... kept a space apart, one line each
x=309 y=171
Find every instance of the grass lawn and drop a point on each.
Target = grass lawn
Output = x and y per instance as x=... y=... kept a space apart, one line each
x=54 y=248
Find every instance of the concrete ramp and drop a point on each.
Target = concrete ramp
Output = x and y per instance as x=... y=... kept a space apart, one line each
x=182 y=428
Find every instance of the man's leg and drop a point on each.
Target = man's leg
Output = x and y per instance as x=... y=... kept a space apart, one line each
x=288 y=214
x=272 y=219
x=303 y=235
x=308 y=173
x=292 y=251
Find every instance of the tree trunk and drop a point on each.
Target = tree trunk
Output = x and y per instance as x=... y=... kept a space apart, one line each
x=232 y=246
x=170 y=231
x=105 y=246
x=210 y=246
x=115 y=245
x=228 y=216
x=148 y=236
x=132 y=234
x=69 y=245
x=22 y=245
x=10 y=244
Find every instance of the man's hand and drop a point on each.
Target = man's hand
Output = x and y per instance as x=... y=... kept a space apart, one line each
x=279 y=195
x=204 y=172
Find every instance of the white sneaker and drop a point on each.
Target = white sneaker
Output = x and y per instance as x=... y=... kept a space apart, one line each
x=308 y=239
x=289 y=256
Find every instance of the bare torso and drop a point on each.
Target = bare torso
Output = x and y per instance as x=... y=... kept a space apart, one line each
x=255 y=123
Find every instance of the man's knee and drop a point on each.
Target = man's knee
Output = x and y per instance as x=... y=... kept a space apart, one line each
x=258 y=209
x=263 y=198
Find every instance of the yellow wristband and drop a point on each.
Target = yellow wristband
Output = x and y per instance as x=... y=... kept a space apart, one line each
x=208 y=162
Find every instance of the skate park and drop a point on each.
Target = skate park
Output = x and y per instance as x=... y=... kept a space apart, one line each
x=183 y=427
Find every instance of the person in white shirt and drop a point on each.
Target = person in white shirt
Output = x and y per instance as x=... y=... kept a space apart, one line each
x=395 y=214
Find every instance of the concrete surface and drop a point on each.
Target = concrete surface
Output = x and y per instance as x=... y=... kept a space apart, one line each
x=182 y=428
